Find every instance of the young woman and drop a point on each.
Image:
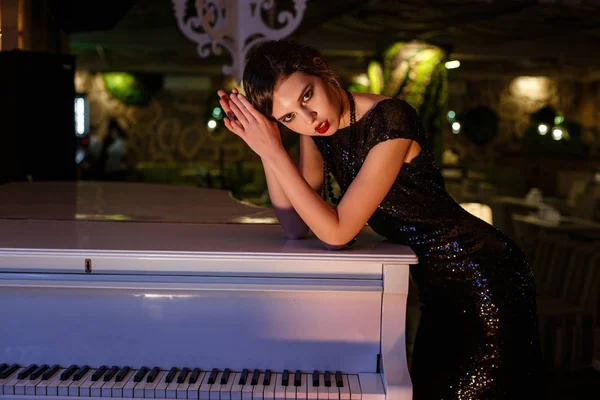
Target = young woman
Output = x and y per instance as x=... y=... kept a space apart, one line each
x=477 y=338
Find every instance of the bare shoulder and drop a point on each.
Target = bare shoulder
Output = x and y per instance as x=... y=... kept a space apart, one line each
x=366 y=101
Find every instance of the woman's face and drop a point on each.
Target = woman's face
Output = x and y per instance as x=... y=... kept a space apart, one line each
x=307 y=105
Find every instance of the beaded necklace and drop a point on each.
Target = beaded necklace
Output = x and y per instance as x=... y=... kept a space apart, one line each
x=327 y=189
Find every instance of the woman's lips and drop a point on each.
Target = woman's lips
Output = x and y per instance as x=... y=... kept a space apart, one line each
x=322 y=127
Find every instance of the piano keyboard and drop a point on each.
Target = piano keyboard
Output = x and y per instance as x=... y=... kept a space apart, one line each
x=178 y=383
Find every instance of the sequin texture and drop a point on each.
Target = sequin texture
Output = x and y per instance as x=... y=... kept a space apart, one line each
x=477 y=337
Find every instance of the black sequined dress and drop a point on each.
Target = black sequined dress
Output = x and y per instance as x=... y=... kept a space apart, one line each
x=477 y=337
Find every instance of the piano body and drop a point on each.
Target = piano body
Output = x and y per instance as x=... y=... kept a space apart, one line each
x=153 y=291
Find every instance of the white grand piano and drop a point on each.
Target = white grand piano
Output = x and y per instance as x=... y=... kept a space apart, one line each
x=121 y=290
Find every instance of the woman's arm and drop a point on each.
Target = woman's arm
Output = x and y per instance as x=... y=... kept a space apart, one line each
x=336 y=227
x=311 y=168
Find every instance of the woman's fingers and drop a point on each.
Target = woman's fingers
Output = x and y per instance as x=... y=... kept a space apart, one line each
x=255 y=113
x=235 y=98
x=234 y=126
x=238 y=113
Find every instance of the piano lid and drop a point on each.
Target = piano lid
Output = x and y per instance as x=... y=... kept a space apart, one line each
x=126 y=201
x=53 y=227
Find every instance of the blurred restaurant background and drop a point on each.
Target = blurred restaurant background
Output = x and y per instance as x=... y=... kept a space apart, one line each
x=509 y=92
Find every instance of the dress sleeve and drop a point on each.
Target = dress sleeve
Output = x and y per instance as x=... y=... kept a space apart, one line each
x=394 y=119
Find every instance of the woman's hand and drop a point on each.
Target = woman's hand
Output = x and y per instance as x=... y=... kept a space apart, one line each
x=259 y=132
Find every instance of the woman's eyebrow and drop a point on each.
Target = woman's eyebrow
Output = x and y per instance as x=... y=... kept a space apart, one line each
x=299 y=99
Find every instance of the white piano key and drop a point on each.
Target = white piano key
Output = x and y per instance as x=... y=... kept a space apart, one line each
x=20 y=386
x=290 y=390
x=149 y=389
x=63 y=386
x=345 y=390
x=354 y=383
x=74 y=387
x=86 y=385
x=160 y=392
x=247 y=388
x=96 y=388
x=312 y=392
x=216 y=388
x=204 y=392
x=279 y=388
x=117 y=389
x=259 y=388
x=108 y=386
x=371 y=386
x=30 y=386
x=303 y=388
x=193 y=390
x=41 y=389
x=225 y=390
x=334 y=393
x=236 y=388
x=322 y=390
x=269 y=392
x=171 y=391
x=130 y=385
x=182 y=388
x=139 y=387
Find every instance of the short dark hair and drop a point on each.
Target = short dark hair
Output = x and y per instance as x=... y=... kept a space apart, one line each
x=273 y=60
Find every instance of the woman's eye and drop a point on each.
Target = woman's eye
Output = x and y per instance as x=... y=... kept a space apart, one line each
x=288 y=118
x=307 y=95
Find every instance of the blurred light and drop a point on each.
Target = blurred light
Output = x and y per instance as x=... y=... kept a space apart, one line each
x=558 y=120
x=362 y=79
x=212 y=124
x=81 y=116
x=537 y=88
x=542 y=129
x=79 y=156
x=456 y=127
x=217 y=113
x=557 y=133
x=452 y=64
x=451 y=115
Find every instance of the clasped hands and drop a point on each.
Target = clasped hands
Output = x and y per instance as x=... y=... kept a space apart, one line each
x=260 y=133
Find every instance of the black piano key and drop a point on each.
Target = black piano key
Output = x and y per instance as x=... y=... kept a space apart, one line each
x=327 y=379
x=139 y=375
x=182 y=374
x=3 y=366
x=194 y=376
x=267 y=378
x=111 y=373
x=285 y=378
x=81 y=372
x=171 y=375
x=99 y=372
x=68 y=372
x=315 y=378
x=152 y=375
x=339 y=382
x=225 y=376
x=50 y=373
x=122 y=374
x=9 y=371
x=298 y=378
x=39 y=371
x=243 y=377
x=213 y=376
x=255 y=376
x=25 y=373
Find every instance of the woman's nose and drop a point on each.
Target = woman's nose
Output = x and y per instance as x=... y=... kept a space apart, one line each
x=308 y=116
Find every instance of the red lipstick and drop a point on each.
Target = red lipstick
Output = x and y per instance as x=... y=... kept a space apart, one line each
x=322 y=127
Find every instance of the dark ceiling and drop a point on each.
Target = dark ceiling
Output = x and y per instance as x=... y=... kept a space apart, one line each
x=490 y=37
